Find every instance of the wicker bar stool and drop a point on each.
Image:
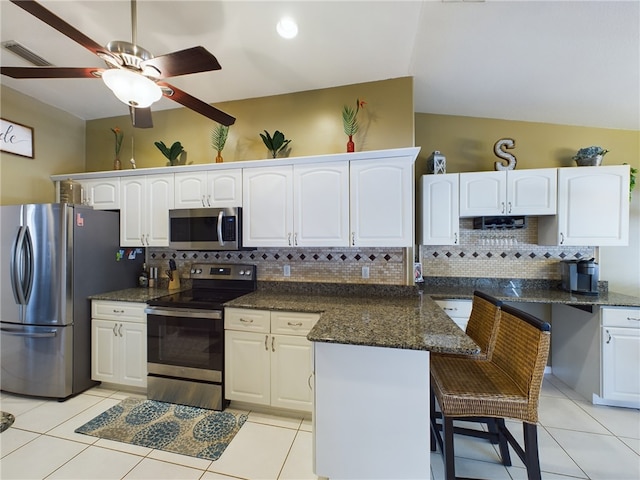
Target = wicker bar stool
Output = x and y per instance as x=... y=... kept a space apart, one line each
x=506 y=386
x=483 y=329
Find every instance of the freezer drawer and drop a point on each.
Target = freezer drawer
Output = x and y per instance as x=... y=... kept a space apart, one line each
x=36 y=360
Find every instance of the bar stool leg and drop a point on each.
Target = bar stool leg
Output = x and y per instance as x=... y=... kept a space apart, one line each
x=433 y=419
x=447 y=451
x=531 y=450
x=502 y=441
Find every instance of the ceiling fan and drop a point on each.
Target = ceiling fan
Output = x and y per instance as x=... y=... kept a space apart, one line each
x=132 y=73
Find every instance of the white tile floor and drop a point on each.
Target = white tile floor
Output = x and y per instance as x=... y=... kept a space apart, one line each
x=577 y=441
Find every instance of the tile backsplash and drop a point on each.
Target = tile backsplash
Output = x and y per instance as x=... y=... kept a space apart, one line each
x=321 y=265
x=511 y=253
x=481 y=253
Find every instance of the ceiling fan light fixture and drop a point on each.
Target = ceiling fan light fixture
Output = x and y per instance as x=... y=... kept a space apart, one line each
x=132 y=88
x=287 y=27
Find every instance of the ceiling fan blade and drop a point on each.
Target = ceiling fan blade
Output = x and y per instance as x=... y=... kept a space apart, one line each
x=141 y=117
x=51 y=72
x=56 y=22
x=183 y=62
x=196 y=105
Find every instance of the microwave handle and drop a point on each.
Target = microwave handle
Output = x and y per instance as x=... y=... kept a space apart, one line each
x=220 y=217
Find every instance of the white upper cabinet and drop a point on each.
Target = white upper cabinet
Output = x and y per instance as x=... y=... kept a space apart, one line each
x=267 y=194
x=101 y=193
x=321 y=204
x=381 y=201
x=510 y=192
x=439 y=222
x=219 y=188
x=300 y=205
x=145 y=204
x=593 y=208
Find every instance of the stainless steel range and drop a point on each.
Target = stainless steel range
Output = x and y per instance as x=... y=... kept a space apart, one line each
x=185 y=336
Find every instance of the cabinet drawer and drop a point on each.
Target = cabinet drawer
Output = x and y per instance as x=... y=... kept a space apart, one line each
x=108 y=310
x=620 y=317
x=456 y=308
x=247 y=319
x=293 y=323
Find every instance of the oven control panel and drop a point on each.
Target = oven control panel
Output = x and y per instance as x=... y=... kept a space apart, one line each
x=211 y=271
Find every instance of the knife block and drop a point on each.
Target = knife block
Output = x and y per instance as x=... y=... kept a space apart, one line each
x=175 y=283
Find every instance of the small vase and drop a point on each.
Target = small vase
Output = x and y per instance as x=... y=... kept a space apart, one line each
x=351 y=147
x=219 y=157
x=116 y=164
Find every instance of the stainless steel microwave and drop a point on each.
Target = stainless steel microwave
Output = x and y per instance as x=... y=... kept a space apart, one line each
x=205 y=229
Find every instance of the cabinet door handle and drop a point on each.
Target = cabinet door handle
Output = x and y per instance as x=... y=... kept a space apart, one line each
x=120 y=330
x=203 y=203
x=208 y=200
x=509 y=207
x=115 y=331
x=503 y=208
x=295 y=239
x=455 y=238
x=266 y=339
x=273 y=347
x=289 y=238
x=146 y=239
x=353 y=238
x=294 y=324
x=244 y=320
x=561 y=238
x=309 y=381
x=142 y=240
x=633 y=319
x=609 y=337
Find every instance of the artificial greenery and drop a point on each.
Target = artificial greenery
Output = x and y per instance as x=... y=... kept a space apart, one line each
x=632 y=179
x=589 y=152
x=171 y=153
x=219 y=137
x=275 y=144
x=350 y=118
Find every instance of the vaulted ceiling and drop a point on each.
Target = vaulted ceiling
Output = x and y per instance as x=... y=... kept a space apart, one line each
x=574 y=62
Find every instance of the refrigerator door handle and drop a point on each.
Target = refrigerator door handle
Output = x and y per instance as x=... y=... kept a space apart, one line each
x=22 y=266
x=21 y=333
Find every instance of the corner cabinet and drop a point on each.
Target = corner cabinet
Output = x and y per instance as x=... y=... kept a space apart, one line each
x=439 y=221
x=381 y=202
x=217 y=188
x=119 y=343
x=145 y=203
x=593 y=208
x=510 y=192
x=268 y=359
x=296 y=205
x=101 y=193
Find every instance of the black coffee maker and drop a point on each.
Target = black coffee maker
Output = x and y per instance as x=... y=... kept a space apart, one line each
x=580 y=276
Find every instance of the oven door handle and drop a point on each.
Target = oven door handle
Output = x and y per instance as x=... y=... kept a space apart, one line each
x=184 y=312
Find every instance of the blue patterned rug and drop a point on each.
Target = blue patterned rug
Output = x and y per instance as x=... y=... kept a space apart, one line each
x=192 y=431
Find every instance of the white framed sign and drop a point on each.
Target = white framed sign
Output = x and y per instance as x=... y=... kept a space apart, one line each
x=16 y=138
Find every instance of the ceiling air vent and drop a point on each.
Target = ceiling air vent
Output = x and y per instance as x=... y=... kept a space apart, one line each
x=24 y=52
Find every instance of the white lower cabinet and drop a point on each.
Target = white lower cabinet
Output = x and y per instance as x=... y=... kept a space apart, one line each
x=597 y=353
x=268 y=359
x=458 y=310
x=621 y=354
x=119 y=343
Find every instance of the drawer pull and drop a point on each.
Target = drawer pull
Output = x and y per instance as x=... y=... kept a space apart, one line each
x=453 y=309
x=244 y=320
x=118 y=311
x=294 y=324
x=633 y=319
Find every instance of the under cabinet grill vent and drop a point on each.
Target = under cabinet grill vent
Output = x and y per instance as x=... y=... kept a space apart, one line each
x=25 y=53
x=499 y=223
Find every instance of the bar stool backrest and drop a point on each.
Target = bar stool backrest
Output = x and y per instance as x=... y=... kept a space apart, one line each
x=521 y=351
x=484 y=323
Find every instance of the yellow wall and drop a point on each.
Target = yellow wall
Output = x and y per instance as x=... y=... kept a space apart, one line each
x=59 y=140
x=312 y=120
x=467 y=142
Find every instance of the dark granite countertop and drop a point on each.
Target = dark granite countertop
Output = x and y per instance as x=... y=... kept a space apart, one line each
x=412 y=322
x=139 y=294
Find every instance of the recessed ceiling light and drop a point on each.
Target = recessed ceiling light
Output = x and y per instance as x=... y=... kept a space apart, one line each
x=287 y=27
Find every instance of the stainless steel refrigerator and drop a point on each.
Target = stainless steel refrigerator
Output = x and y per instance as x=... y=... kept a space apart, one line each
x=52 y=257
